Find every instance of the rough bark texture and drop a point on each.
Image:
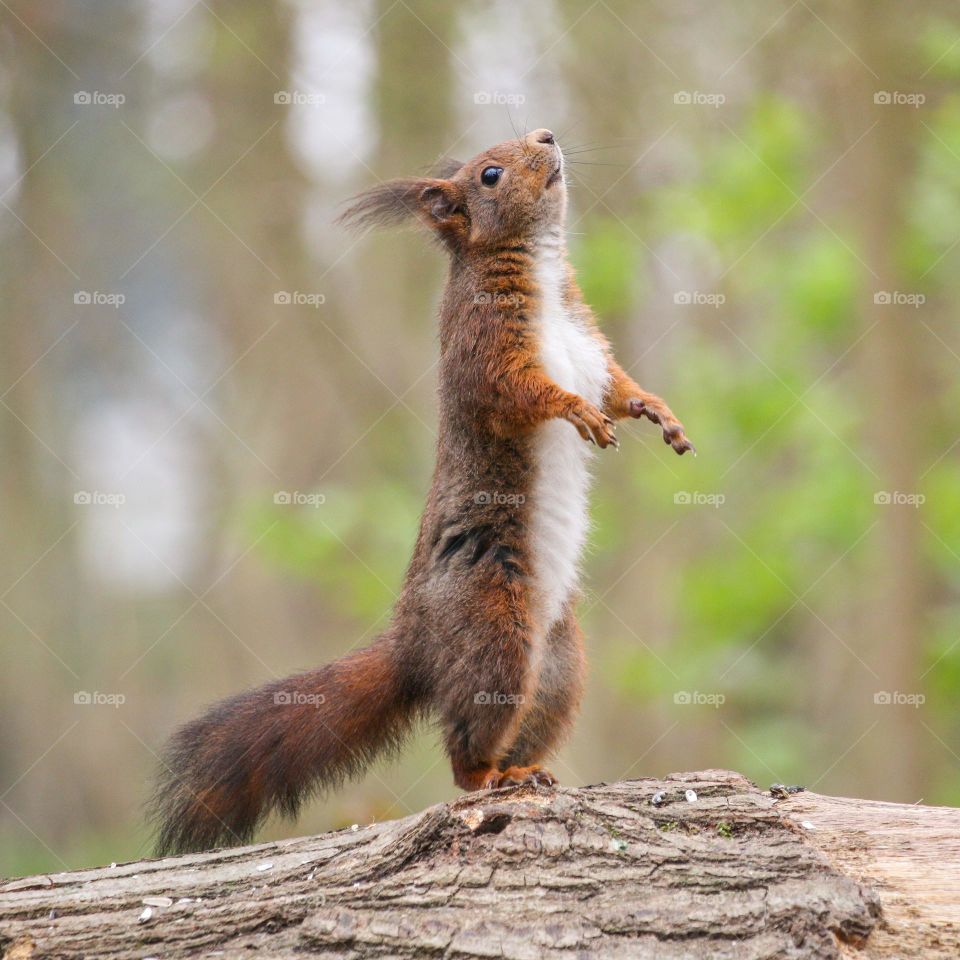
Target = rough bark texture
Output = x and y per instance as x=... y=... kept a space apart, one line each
x=599 y=871
x=909 y=854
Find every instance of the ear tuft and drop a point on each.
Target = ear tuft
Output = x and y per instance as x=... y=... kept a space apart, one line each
x=435 y=202
x=385 y=205
x=445 y=168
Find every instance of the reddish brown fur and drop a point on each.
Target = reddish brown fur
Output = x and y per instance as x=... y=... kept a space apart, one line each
x=460 y=644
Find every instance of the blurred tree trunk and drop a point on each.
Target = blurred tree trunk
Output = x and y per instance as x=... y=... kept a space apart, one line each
x=252 y=238
x=55 y=241
x=895 y=395
x=29 y=473
x=416 y=123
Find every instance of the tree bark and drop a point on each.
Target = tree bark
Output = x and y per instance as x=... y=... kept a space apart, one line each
x=601 y=871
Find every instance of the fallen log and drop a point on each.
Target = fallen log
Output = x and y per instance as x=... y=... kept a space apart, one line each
x=696 y=865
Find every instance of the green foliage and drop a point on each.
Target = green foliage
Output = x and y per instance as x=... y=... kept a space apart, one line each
x=934 y=196
x=937 y=46
x=605 y=257
x=748 y=179
x=768 y=376
x=354 y=544
x=819 y=284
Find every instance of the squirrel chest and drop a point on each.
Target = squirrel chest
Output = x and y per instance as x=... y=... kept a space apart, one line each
x=575 y=360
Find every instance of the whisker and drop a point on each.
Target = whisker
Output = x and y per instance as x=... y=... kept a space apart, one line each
x=594 y=163
x=520 y=141
x=568 y=129
x=573 y=151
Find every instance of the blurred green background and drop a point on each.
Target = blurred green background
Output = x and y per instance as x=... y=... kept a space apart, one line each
x=765 y=213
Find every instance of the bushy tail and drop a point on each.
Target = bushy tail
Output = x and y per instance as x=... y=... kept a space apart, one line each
x=268 y=749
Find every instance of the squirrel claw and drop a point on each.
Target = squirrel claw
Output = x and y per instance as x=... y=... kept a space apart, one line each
x=675 y=437
x=672 y=428
x=519 y=776
x=592 y=425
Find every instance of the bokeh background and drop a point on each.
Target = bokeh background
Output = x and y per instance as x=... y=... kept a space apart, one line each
x=765 y=213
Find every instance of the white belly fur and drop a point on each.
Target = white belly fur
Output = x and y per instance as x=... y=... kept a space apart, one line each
x=576 y=361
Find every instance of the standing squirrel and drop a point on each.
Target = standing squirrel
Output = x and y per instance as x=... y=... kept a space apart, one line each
x=484 y=636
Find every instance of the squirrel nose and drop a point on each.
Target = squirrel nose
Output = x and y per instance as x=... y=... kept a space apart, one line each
x=543 y=136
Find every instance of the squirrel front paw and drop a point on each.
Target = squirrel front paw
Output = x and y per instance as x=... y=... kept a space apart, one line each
x=592 y=424
x=660 y=413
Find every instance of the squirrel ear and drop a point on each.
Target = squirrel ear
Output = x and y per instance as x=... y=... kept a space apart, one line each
x=434 y=201
x=441 y=200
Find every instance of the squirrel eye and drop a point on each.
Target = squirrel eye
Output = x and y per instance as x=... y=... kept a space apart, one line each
x=491 y=176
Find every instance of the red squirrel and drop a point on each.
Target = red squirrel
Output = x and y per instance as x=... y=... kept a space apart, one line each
x=484 y=637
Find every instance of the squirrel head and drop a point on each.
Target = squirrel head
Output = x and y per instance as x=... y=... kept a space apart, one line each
x=511 y=193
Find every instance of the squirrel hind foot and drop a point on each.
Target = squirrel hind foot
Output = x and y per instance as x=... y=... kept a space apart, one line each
x=492 y=778
x=537 y=775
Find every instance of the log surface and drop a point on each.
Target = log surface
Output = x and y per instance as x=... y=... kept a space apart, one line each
x=598 y=871
x=910 y=855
